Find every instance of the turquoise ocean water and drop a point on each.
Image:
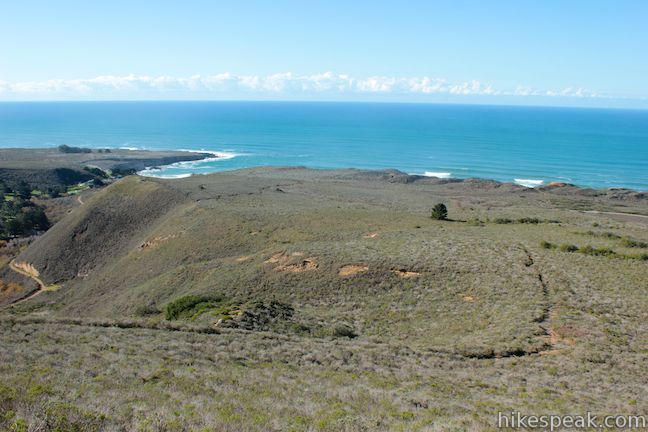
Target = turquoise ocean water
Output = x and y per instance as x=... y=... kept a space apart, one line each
x=528 y=145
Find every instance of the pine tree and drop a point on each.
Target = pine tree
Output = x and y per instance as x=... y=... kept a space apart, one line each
x=440 y=212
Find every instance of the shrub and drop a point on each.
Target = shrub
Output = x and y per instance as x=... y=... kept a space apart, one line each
x=343 y=330
x=68 y=149
x=147 y=310
x=96 y=171
x=474 y=222
x=589 y=250
x=55 y=191
x=503 y=221
x=527 y=220
x=122 y=171
x=23 y=190
x=439 y=212
x=546 y=245
x=300 y=328
x=637 y=256
x=628 y=242
x=610 y=235
x=568 y=247
x=184 y=306
x=604 y=251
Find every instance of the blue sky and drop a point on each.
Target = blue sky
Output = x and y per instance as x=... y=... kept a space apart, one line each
x=589 y=53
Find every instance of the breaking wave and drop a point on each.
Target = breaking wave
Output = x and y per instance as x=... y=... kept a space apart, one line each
x=530 y=183
x=443 y=175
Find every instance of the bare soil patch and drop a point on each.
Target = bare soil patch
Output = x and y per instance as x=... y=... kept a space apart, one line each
x=352 y=269
x=405 y=274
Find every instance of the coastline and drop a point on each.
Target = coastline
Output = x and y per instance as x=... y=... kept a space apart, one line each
x=48 y=165
x=597 y=150
x=522 y=184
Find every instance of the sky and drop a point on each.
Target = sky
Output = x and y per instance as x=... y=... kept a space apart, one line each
x=550 y=52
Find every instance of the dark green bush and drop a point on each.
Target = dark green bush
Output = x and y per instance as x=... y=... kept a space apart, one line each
x=69 y=149
x=96 y=171
x=120 y=172
x=23 y=190
x=439 y=212
x=528 y=220
x=503 y=221
x=184 y=306
x=21 y=217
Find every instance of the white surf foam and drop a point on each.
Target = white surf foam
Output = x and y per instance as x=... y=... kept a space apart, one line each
x=170 y=176
x=187 y=165
x=530 y=183
x=442 y=175
x=218 y=155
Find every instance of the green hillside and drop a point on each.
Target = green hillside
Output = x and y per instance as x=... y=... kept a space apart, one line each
x=338 y=284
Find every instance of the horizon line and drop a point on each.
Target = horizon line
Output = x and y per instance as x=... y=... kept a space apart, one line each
x=329 y=101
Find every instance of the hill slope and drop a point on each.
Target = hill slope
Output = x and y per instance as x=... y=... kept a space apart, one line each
x=348 y=247
x=329 y=300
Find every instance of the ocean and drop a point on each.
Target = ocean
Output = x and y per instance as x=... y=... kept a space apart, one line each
x=527 y=145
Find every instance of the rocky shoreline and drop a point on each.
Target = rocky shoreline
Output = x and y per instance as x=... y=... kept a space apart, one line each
x=50 y=167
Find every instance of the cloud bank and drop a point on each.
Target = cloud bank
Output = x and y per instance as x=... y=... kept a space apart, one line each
x=275 y=85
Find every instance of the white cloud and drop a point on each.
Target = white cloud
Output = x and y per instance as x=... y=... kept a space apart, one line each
x=285 y=83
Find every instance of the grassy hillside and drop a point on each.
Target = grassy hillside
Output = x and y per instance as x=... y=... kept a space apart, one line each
x=330 y=300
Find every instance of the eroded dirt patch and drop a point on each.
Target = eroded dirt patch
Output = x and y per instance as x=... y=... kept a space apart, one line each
x=243 y=258
x=27 y=268
x=292 y=263
x=304 y=265
x=405 y=274
x=352 y=269
x=157 y=241
x=282 y=257
x=565 y=335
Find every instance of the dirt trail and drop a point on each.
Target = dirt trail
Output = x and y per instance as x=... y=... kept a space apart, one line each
x=29 y=271
x=79 y=199
x=547 y=313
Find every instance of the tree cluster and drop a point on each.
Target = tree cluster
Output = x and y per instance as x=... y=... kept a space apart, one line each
x=20 y=216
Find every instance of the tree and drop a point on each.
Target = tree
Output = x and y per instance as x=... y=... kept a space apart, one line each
x=440 y=212
x=23 y=190
x=54 y=192
x=14 y=227
x=38 y=219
